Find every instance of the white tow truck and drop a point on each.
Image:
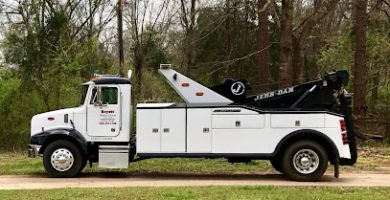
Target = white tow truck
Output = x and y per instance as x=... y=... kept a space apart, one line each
x=300 y=129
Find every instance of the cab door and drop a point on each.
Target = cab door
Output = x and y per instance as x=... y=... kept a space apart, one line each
x=103 y=111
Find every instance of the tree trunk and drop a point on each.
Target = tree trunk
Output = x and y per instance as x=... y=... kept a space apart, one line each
x=246 y=33
x=120 y=38
x=138 y=63
x=190 y=34
x=298 y=61
x=376 y=22
x=263 y=45
x=360 y=67
x=188 y=23
x=286 y=31
x=91 y=20
x=228 y=44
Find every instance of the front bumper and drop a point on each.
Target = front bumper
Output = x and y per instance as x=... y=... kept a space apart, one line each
x=33 y=150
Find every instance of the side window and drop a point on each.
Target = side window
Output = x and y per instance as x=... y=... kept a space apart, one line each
x=109 y=95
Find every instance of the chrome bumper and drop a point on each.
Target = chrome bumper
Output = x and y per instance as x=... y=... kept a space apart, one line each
x=33 y=150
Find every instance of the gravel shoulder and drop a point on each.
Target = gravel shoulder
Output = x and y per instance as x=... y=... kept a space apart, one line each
x=11 y=182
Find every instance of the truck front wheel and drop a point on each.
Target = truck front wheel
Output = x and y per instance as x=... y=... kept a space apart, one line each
x=63 y=159
x=305 y=160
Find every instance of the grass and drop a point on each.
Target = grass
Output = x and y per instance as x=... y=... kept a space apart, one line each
x=371 y=159
x=18 y=163
x=211 y=192
x=374 y=143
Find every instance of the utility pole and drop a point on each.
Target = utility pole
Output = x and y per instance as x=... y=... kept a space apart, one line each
x=120 y=37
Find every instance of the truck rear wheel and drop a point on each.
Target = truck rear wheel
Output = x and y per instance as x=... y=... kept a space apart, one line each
x=63 y=159
x=305 y=160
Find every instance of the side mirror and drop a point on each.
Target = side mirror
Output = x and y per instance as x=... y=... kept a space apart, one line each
x=129 y=73
x=98 y=97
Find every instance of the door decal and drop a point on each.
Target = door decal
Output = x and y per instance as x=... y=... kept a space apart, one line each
x=107 y=117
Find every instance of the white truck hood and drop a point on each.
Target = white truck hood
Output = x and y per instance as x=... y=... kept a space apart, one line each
x=52 y=120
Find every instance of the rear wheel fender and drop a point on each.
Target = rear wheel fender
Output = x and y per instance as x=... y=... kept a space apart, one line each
x=308 y=134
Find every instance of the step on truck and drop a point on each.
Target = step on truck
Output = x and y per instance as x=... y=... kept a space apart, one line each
x=300 y=129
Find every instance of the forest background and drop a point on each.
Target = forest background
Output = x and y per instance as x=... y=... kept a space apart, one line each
x=49 y=47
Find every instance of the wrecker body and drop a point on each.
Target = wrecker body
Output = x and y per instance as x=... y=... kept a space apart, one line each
x=300 y=129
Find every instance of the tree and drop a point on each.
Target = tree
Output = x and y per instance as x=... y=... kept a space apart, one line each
x=360 y=59
x=156 y=52
x=187 y=20
x=120 y=37
x=376 y=24
x=286 y=33
x=135 y=16
x=320 y=10
x=263 y=44
x=54 y=51
x=231 y=33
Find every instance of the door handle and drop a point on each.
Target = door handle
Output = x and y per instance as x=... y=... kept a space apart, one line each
x=238 y=123
x=155 y=130
x=166 y=130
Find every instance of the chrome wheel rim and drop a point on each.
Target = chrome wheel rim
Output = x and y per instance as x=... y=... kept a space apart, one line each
x=62 y=159
x=306 y=161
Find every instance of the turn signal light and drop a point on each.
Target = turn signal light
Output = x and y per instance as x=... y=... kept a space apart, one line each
x=344 y=138
x=199 y=94
x=344 y=135
x=343 y=127
x=185 y=84
x=50 y=118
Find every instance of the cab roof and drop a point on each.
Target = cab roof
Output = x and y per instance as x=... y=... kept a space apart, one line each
x=108 y=80
x=111 y=80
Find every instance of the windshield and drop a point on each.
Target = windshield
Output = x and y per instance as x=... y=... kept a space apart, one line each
x=84 y=91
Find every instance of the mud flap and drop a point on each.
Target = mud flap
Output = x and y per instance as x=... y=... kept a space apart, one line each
x=347 y=110
x=336 y=168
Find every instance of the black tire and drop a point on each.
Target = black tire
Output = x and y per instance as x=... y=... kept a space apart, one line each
x=84 y=164
x=310 y=151
x=77 y=165
x=277 y=164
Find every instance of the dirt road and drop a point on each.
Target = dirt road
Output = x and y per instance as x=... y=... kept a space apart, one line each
x=165 y=180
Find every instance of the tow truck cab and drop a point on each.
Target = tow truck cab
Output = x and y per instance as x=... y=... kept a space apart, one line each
x=213 y=122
